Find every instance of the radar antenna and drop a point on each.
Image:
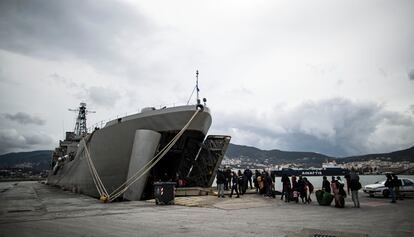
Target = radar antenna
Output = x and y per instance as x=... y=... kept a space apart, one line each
x=80 y=126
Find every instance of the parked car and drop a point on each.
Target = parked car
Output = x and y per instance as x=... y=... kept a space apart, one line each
x=407 y=188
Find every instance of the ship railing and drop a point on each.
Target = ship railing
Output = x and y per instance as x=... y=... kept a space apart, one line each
x=102 y=123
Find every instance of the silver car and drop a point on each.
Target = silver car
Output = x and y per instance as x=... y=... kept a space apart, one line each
x=407 y=188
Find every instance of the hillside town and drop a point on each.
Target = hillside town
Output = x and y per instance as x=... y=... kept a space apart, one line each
x=374 y=166
x=16 y=174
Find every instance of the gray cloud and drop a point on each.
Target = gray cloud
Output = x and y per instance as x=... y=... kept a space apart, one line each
x=411 y=74
x=92 y=46
x=337 y=127
x=64 y=81
x=103 y=96
x=98 y=95
x=24 y=118
x=88 y=30
x=11 y=140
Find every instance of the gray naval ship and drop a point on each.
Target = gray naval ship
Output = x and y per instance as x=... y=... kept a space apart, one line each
x=123 y=159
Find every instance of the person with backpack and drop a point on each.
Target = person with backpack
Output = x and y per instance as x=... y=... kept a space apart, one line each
x=355 y=186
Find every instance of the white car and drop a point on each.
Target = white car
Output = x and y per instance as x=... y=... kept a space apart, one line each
x=407 y=188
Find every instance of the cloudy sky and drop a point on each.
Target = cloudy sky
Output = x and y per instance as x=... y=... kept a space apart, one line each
x=335 y=77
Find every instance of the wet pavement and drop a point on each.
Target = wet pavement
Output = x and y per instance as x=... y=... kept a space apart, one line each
x=35 y=209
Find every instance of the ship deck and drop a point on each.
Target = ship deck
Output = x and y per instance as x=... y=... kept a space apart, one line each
x=35 y=209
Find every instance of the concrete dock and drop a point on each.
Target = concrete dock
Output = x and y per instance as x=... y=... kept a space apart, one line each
x=35 y=209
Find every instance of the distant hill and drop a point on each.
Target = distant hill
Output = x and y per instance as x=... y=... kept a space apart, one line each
x=38 y=160
x=255 y=155
x=402 y=155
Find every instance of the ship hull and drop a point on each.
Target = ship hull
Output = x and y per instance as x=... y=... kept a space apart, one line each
x=110 y=147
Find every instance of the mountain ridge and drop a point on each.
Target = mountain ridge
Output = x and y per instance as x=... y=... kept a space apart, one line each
x=37 y=160
x=254 y=155
x=40 y=159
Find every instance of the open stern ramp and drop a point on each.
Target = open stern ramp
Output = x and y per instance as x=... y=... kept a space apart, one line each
x=204 y=167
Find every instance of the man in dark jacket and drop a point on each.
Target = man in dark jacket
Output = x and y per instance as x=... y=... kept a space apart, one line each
x=242 y=180
x=301 y=188
x=227 y=174
x=390 y=185
x=397 y=185
x=286 y=188
x=234 y=182
x=326 y=185
x=221 y=179
x=249 y=175
x=348 y=180
x=354 y=185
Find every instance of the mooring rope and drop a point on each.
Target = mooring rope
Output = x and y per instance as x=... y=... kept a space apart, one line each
x=95 y=176
x=105 y=196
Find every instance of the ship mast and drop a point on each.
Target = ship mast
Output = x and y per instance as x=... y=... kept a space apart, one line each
x=80 y=126
x=198 y=90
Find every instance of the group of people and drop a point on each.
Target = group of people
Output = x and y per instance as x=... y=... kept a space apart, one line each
x=239 y=182
x=264 y=183
x=299 y=188
x=302 y=188
x=393 y=184
x=336 y=188
x=236 y=182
